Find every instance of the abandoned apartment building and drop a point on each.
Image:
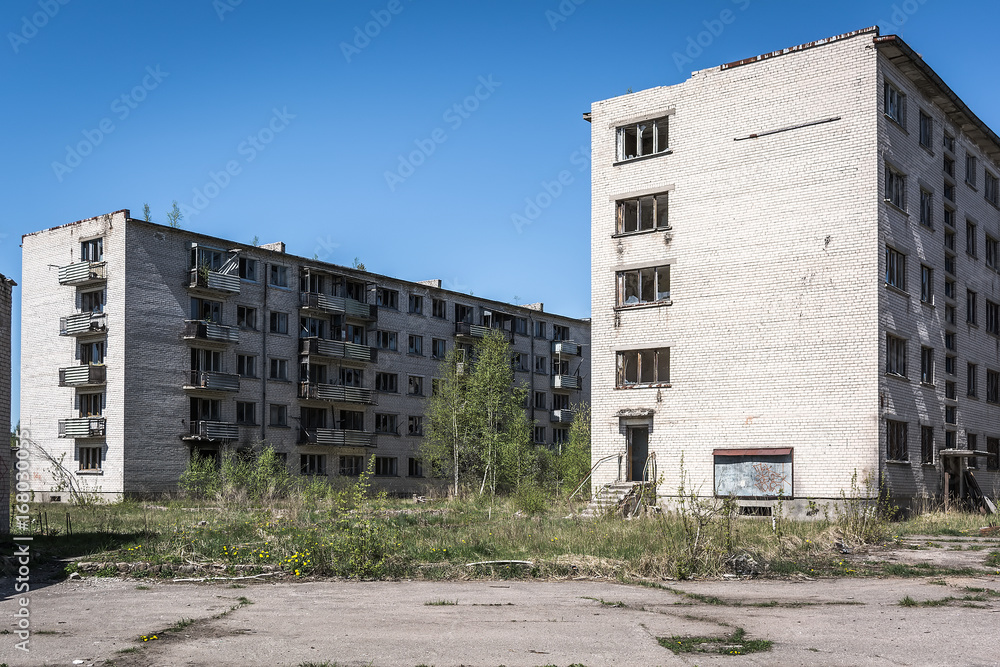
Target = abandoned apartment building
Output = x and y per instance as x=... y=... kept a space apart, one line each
x=7 y=463
x=143 y=344
x=821 y=296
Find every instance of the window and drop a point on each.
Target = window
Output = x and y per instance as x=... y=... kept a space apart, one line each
x=643 y=286
x=895 y=104
x=387 y=298
x=416 y=345
x=386 y=424
x=926 y=284
x=210 y=259
x=949 y=192
x=559 y=332
x=521 y=326
x=539 y=401
x=416 y=304
x=414 y=425
x=970 y=169
x=205 y=310
x=90 y=458
x=560 y=436
x=643 y=367
x=439 y=308
x=949 y=142
x=312 y=418
x=246 y=413
x=992 y=386
x=927 y=365
x=279 y=322
x=387 y=382
x=927 y=444
x=355 y=290
x=926 y=125
x=351 y=420
x=993 y=447
x=314 y=327
x=204 y=409
x=949 y=340
x=950 y=414
x=642 y=214
x=949 y=390
x=949 y=220
x=91 y=405
x=541 y=366
x=949 y=266
x=92 y=250
x=246 y=317
x=895 y=439
x=278 y=276
x=971 y=376
x=248 y=269
x=415 y=386
x=206 y=360
x=416 y=468
x=895 y=268
x=992 y=317
x=92 y=352
x=948 y=165
x=972 y=444
x=970 y=237
x=438 y=348
x=895 y=187
x=895 y=355
x=313 y=464
x=949 y=313
x=647 y=137
x=385 y=340
x=991 y=188
x=949 y=440
x=539 y=329
x=277 y=415
x=246 y=366
x=93 y=302
x=970 y=307
x=538 y=436
x=926 y=209
x=385 y=466
x=351 y=466
x=992 y=252
x=278 y=369
x=463 y=313
x=950 y=367
x=560 y=367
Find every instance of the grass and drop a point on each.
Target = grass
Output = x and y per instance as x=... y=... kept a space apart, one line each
x=441 y=603
x=734 y=644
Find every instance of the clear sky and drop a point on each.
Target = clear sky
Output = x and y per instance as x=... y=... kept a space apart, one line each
x=410 y=134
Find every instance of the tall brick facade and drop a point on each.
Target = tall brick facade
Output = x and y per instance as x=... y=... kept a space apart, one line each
x=780 y=299
x=148 y=342
x=6 y=464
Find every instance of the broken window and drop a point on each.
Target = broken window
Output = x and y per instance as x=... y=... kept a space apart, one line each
x=539 y=435
x=313 y=464
x=313 y=282
x=208 y=311
x=438 y=348
x=463 y=313
x=248 y=269
x=560 y=436
x=646 y=137
x=314 y=327
x=246 y=413
x=279 y=276
x=351 y=420
x=540 y=400
x=414 y=425
x=354 y=333
x=91 y=405
x=355 y=290
x=643 y=214
x=927 y=444
x=388 y=298
x=439 y=308
x=279 y=322
x=278 y=369
x=416 y=468
x=93 y=302
x=387 y=382
x=559 y=332
x=560 y=367
x=386 y=424
x=351 y=466
x=92 y=250
x=560 y=401
x=415 y=386
x=895 y=441
x=415 y=345
x=385 y=340
x=205 y=409
x=540 y=365
x=351 y=377
x=211 y=259
x=246 y=317
x=539 y=329
x=90 y=458
x=521 y=326
x=520 y=361
x=246 y=366
x=278 y=415
x=92 y=353
x=206 y=360
x=637 y=367
x=648 y=285
x=895 y=104
x=385 y=466
x=416 y=304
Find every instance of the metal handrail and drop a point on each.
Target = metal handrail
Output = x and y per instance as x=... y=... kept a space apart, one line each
x=591 y=473
x=651 y=459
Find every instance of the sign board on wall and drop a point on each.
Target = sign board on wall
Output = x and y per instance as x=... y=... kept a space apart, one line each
x=753 y=473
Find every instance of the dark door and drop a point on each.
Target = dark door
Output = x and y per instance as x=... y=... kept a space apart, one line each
x=638 y=451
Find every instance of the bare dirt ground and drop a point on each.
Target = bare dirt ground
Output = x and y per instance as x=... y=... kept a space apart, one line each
x=829 y=621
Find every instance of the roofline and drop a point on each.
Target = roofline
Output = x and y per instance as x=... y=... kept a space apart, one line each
x=77 y=222
x=800 y=47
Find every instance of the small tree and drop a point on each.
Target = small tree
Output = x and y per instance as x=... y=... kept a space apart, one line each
x=444 y=443
x=174 y=216
x=146 y=214
x=573 y=463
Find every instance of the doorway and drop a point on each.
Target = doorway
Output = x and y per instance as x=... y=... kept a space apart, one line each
x=638 y=452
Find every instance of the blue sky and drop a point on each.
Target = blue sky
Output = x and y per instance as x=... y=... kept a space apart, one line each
x=406 y=133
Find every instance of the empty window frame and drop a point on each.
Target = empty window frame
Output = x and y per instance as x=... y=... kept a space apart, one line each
x=247 y=269
x=949 y=391
x=414 y=425
x=949 y=191
x=647 y=137
x=560 y=332
x=351 y=466
x=521 y=326
x=94 y=301
x=926 y=130
x=350 y=420
x=92 y=352
x=993 y=317
x=926 y=284
x=992 y=386
x=951 y=368
x=993 y=447
x=92 y=250
x=990 y=188
x=385 y=466
x=278 y=369
x=895 y=268
x=948 y=141
x=279 y=322
x=206 y=310
x=972 y=380
x=541 y=366
x=246 y=365
x=949 y=340
x=463 y=313
x=539 y=400
x=927 y=444
x=313 y=464
x=643 y=214
x=387 y=298
x=415 y=468
x=895 y=187
x=949 y=439
x=90 y=458
x=895 y=355
x=950 y=414
x=949 y=221
x=385 y=340
x=387 y=382
x=438 y=348
x=246 y=317
x=90 y=405
x=385 y=423
x=643 y=367
x=949 y=266
x=415 y=345
x=927 y=365
x=895 y=104
x=416 y=304
x=640 y=286
x=246 y=413
x=970 y=169
x=538 y=435
x=439 y=308
x=560 y=436
x=415 y=385
x=277 y=414
x=948 y=166
x=926 y=208
x=278 y=276
x=539 y=330
x=971 y=245
x=895 y=440
x=971 y=314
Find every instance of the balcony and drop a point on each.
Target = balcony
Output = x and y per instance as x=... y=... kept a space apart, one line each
x=335 y=393
x=211 y=430
x=565 y=382
x=82 y=324
x=562 y=416
x=83 y=273
x=335 y=349
x=339 y=305
x=213 y=281
x=83 y=376
x=210 y=331
x=467 y=330
x=332 y=437
x=565 y=347
x=212 y=381
x=83 y=427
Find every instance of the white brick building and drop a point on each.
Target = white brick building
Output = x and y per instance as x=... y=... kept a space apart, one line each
x=6 y=464
x=820 y=297
x=143 y=342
